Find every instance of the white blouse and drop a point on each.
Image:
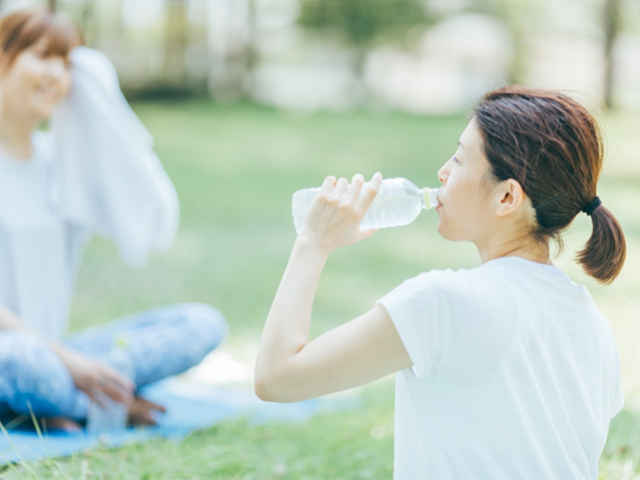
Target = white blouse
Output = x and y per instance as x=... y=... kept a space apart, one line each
x=94 y=171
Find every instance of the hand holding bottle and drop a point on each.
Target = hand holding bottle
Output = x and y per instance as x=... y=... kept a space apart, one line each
x=96 y=379
x=337 y=210
x=398 y=203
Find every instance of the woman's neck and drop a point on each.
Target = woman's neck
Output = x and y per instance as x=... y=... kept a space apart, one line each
x=15 y=135
x=527 y=248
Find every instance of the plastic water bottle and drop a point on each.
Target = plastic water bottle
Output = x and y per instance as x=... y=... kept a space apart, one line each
x=109 y=415
x=398 y=203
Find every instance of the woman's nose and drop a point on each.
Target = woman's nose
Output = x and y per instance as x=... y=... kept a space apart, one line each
x=442 y=175
x=55 y=70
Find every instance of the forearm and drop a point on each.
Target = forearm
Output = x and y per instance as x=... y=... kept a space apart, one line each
x=287 y=327
x=282 y=366
x=10 y=321
x=65 y=355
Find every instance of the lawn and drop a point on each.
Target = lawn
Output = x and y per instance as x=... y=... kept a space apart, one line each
x=235 y=168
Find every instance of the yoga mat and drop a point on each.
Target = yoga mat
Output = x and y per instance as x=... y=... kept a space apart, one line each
x=189 y=407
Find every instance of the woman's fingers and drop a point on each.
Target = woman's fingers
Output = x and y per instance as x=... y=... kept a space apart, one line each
x=335 y=215
x=114 y=391
x=150 y=405
x=318 y=207
x=96 y=395
x=141 y=411
x=328 y=185
x=116 y=386
x=369 y=192
x=120 y=380
x=341 y=188
x=354 y=189
x=140 y=416
x=144 y=418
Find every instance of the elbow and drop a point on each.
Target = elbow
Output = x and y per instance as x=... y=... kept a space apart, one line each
x=261 y=389
x=262 y=381
x=268 y=388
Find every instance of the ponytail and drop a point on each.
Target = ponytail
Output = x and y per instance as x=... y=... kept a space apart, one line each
x=606 y=250
x=552 y=146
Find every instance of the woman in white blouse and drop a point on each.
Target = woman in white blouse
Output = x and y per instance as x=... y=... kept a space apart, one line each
x=507 y=370
x=94 y=171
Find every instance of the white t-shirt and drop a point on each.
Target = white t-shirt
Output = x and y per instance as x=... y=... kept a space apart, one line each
x=515 y=375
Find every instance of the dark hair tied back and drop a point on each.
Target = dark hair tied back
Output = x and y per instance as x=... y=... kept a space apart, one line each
x=591 y=206
x=551 y=145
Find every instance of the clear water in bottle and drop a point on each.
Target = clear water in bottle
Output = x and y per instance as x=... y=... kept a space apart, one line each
x=109 y=415
x=398 y=203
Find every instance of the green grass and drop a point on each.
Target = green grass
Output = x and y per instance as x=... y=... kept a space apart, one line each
x=235 y=168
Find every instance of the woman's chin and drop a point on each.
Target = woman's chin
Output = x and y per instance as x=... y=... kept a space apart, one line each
x=43 y=110
x=441 y=229
x=444 y=232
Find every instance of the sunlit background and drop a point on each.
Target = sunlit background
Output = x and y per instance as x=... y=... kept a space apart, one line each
x=249 y=100
x=427 y=56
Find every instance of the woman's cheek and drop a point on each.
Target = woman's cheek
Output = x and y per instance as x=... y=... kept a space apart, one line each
x=66 y=86
x=30 y=76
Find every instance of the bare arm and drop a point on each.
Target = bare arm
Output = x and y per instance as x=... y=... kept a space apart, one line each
x=288 y=367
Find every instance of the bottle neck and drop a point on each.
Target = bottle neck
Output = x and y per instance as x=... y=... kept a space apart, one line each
x=429 y=197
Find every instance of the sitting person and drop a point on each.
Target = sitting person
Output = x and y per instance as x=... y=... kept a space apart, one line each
x=93 y=171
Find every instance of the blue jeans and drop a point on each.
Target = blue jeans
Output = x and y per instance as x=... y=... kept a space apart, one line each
x=146 y=347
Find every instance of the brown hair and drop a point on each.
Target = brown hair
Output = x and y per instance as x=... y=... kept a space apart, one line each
x=23 y=28
x=552 y=146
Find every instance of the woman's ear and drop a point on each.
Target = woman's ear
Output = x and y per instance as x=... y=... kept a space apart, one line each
x=510 y=197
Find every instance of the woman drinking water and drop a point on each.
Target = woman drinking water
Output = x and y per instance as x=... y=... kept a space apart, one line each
x=507 y=370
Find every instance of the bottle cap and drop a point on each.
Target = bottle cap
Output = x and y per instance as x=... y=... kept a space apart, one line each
x=430 y=197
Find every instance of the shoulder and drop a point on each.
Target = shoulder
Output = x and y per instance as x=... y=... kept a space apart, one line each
x=454 y=321
x=463 y=295
x=462 y=283
x=429 y=282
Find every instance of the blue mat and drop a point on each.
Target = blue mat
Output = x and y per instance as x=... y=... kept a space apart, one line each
x=189 y=407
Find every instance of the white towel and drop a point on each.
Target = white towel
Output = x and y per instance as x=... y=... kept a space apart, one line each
x=107 y=176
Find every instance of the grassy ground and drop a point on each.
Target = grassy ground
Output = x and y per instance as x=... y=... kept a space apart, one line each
x=235 y=168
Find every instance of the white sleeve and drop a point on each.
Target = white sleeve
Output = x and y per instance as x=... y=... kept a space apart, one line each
x=614 y=387
x=414 y=307
x=446 y=329
x=106 y=175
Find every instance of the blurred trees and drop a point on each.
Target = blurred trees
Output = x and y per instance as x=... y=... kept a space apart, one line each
x=251 y=58
x=517 y=16
x=360 y=23
x=611 y=19
x=176 y=42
